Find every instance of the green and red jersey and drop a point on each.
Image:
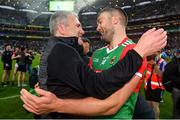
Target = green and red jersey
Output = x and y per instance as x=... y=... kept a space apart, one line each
x=105 y=58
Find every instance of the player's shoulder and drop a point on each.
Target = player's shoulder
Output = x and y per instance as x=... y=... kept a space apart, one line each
x=128 y=42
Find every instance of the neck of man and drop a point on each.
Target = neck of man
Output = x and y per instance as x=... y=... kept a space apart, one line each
x=60 y=34
x=118 y=37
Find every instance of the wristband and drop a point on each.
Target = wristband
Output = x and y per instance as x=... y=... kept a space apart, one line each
x=138 y=74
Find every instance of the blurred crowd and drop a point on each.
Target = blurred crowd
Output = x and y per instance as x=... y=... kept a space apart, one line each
x=23 y=58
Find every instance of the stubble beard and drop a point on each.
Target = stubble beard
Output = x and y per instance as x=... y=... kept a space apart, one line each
x=108 y=36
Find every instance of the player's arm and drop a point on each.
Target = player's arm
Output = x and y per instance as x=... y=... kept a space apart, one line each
x=48 y=102
x=109 y=106
x=94 y=107
x=100 y=85
x=107 y=82
x=157 y=42
x=14 y=56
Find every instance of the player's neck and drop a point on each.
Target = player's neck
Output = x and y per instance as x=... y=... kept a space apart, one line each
x=117 y=38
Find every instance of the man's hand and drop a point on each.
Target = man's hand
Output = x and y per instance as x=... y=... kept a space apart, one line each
x=151 y=41
x=42 y=104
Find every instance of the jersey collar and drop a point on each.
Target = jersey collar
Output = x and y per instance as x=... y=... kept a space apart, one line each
x=124 y=40
x=107 y=47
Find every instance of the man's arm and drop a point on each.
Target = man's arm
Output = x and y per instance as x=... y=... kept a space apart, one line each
x=15 y=57
x=48 y=102
x=158 y=41
x=107 y=82
x=104 y=84
x=96 y=107
x=68 y=69
x=108 y=106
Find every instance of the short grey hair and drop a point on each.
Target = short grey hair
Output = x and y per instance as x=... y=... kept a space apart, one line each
x=59 y=17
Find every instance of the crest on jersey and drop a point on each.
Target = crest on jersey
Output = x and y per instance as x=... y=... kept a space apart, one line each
x=112 y=60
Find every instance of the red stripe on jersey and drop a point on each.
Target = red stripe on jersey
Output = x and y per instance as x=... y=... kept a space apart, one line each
x=126 y=49
x=97 y=71
x=124 y=40
x=90 y=65
x=90 y=62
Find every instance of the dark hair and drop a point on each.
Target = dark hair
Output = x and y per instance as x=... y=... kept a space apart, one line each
x=121 y=12
x=6 y=45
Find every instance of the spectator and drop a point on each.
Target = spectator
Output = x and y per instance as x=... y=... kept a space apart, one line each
x=15 y=56
x=22 y=67
x=153 y=85
x=30 y=58
x=7 y=64
x=172 y=76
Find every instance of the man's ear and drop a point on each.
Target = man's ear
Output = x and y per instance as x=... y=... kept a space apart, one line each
x=61 y=29
x=115 y=20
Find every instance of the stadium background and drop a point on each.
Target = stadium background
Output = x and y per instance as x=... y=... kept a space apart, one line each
x=25 y=22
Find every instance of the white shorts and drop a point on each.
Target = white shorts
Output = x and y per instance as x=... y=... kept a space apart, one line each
x=16 y=66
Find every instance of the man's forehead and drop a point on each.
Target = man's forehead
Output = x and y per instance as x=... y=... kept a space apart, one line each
x=74 y=18
x=77 y=21
x=103 y=15
x=99 y=17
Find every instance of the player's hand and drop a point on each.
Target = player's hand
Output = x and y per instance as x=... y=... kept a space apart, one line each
x=151 y=41
x=42 y=104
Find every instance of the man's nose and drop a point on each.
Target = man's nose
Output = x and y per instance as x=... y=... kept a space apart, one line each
x=82 y=31
x=98 y=28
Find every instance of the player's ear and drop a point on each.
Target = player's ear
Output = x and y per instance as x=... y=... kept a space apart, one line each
x=115 y=20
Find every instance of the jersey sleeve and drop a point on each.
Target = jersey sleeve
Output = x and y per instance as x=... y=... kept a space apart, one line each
x=126 y=49
x=141 y=70
x=144 y=64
